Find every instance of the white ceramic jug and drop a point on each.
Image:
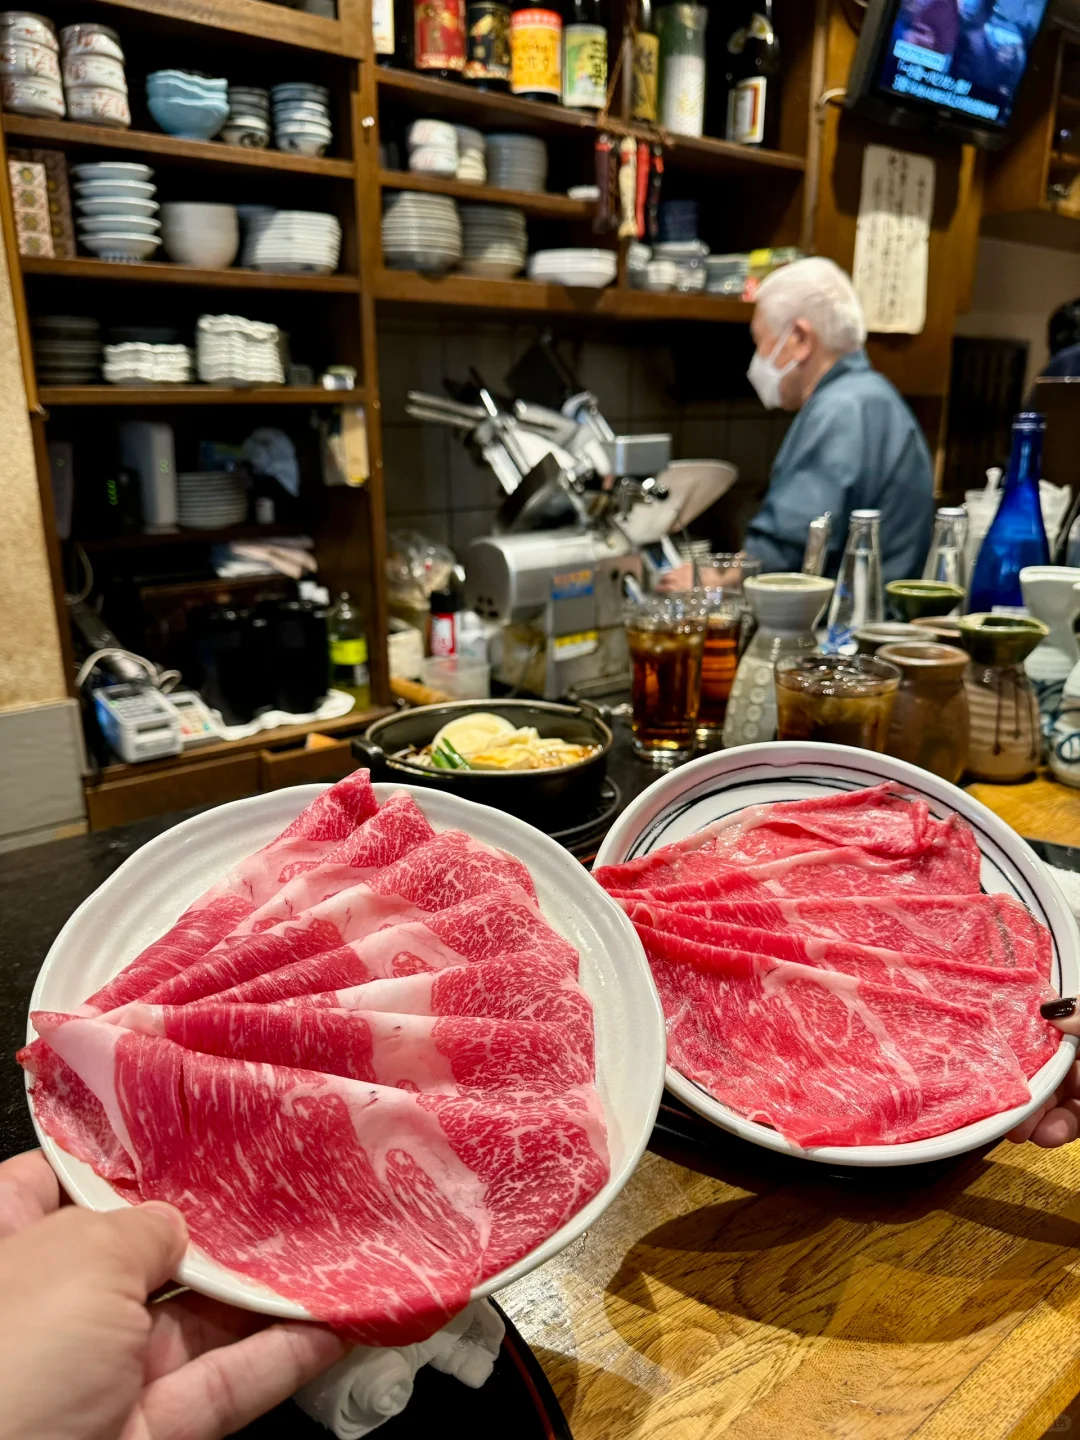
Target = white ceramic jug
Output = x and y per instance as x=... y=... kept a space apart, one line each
x=1052 y=595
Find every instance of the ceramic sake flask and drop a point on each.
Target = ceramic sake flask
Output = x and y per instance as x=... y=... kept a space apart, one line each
x=1052 y=595
x=930 y=718
x=1005 y=741
x=786 y=608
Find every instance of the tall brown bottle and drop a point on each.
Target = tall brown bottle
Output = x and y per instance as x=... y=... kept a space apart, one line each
x=753 y=79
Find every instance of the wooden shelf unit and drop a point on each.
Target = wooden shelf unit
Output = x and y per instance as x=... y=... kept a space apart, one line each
x=106 y=544
x=759 y=197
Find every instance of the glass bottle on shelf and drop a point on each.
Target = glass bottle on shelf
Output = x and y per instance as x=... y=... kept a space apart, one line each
x=585 y=57
x=646 y=64
x=439 y=38
x=1017 y=535
x=536 y=51
x=487 y=44
x=858 y=599
x=681 y=99
x=753 y=79
x=383 y=32
x=348 y=651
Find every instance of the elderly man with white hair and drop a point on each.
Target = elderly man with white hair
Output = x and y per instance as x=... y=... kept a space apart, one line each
x=854 y=444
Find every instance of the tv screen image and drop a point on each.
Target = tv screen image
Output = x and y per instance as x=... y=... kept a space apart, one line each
x=969 y=55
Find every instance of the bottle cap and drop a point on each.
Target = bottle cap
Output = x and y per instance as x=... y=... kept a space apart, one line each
x=866 y=514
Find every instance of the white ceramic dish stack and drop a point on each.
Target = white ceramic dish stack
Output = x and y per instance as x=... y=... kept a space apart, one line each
x=494 y=241
x=210 y=500
x=136 y=363
x=587 y=268
x=433 y=148
x=727 y=782
x=30 y=66
x=233 y=351
x=302 y=118
x=117 y=210
x=248 y=121
x=144 y=897
x=95 y=86
x=291 y=241
x=421 y=232
x=472 y=157
x=205 y=236
x=516 y=162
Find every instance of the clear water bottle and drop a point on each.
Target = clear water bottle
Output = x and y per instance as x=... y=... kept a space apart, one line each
x=1017 y=536
x=858 y=599
x=947 y=561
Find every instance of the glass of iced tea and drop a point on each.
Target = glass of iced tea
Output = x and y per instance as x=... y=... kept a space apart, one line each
x=666 y=635
x=843 y=699
x=720 y=578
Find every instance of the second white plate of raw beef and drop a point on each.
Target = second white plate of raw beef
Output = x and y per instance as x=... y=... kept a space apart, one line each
x=151 y=889
x=717 y=791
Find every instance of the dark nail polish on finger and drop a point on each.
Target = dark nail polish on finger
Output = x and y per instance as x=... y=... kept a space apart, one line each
x=1058 y=1009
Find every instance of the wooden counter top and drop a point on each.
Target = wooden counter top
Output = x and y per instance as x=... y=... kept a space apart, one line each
x=741 y=1297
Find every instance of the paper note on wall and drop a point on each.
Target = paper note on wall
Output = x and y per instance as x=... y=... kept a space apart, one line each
x=892 y=242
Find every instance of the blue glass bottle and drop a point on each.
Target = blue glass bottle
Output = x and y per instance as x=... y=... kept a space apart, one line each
x=1017 y=536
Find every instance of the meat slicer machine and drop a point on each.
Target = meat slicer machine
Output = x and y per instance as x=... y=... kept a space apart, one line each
x=584 y=514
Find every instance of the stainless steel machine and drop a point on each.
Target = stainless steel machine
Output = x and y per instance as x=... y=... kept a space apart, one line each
x=586 y=512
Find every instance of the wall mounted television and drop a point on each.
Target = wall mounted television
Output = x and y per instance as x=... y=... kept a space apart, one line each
x=950 y=66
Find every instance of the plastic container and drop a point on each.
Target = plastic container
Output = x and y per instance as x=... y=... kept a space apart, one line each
x=456 y=676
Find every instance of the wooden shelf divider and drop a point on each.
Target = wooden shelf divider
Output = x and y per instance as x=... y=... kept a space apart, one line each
x=260 y=20
x=104 y=544
x=157 y=272
x=117 y=395
x=539 y=203
x=529 y=298
x=213 y=153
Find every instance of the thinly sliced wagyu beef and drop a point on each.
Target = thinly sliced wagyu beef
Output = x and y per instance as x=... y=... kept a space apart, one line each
x=827 y=1059
x=1007 y=999
x=499 y=923
x=830 y=967
x=377 y=1209
x=447 y=870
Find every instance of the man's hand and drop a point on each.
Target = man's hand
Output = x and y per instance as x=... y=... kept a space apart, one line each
x=82 y=1357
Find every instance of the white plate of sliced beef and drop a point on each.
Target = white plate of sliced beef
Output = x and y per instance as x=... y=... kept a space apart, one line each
x=850 y=952
x=389 y=1062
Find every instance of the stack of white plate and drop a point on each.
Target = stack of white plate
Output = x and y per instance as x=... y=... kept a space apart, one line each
x=472 y=165
x=592 y=269
x=494 y=241
x=136 y=363
x=235 y=351
x=302 y=118
x=291 y=241
x=117 y=217
x=421 y=232
x=433 y=148
x=209 y=500
x=516 y=162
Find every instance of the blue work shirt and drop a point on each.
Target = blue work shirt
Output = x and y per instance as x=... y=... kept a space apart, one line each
x=854 y=445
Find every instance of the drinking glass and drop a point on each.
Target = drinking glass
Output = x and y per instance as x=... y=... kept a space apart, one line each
x=842 y=699
x=720 y=577
x=666 y=636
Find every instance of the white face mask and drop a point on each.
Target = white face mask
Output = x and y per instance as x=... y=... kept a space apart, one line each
x=766 y=376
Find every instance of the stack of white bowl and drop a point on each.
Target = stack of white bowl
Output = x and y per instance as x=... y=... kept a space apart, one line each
x=421 y=232
x=516 y=162
x=494 y=241
x=248 y=122
x=589 y=268
x=433 y=148
x=302 y=118
x=233 y=351
x=210 y=500
x=291 y=241
x=472 y=164
x=95 y=86
x=30 y=66
x=206 y=236
x=117 y=209
x=135 y=363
